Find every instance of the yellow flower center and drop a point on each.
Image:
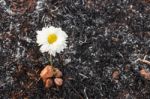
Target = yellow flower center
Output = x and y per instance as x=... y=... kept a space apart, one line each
x=52 y=38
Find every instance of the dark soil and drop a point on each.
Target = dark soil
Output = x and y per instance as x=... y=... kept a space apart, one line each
x=106 y=37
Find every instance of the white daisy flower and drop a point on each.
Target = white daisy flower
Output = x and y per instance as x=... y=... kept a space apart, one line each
x=51 y=40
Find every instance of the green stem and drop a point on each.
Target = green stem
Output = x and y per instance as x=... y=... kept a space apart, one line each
x=50 y=60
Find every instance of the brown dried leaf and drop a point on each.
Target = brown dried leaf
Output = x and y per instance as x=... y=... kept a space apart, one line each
x=58 y=81
x=47 y=72
x=48 y=83
x=58 y=73
x=115 y=75
x=145 y=74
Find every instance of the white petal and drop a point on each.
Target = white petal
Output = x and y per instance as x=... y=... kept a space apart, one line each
x=44 y=48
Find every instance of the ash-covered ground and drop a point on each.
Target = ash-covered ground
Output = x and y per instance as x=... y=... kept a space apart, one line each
x=106 y=37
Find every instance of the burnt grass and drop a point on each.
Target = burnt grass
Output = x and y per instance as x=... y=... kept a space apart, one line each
x=104 y=36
